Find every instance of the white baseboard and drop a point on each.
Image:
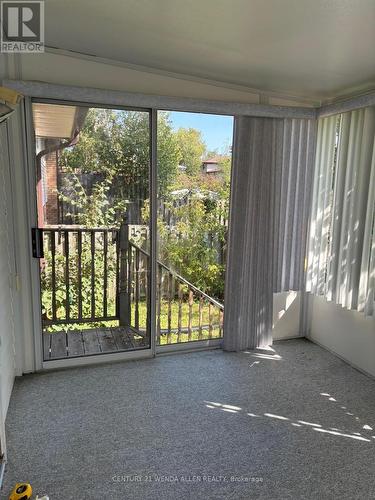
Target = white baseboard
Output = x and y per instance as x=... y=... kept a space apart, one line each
x=353 y=365
x=288 y=337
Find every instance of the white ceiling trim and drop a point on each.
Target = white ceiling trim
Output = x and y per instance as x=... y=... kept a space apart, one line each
x=73 y=94
x=129 y=99
x=348 y=105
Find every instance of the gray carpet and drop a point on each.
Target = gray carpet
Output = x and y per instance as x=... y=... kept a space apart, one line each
x=295 y=423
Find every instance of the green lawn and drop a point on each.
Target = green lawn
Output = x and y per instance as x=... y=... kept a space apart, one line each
x=165 y=338
x=173 y=338
x=164 y=309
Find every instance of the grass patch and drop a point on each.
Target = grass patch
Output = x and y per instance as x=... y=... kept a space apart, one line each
x=165 y=338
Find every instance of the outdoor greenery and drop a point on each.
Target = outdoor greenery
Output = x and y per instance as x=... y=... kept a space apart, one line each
x=114 y=145
x=195 y=247
x=114 y=148
x=112 y=151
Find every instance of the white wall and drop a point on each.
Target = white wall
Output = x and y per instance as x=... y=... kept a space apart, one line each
x=349 y=334
x=286 y=315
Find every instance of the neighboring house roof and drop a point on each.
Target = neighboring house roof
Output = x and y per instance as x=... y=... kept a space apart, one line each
x=214 y=159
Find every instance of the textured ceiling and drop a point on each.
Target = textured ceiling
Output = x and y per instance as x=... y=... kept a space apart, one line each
x=312 y=48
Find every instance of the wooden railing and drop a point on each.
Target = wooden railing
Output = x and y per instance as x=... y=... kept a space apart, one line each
x=79 y=275
x=184 y=312
x=99 y=275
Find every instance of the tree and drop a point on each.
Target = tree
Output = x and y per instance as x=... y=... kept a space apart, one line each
x=191 y=149
x=114 y=149
x=168 y=153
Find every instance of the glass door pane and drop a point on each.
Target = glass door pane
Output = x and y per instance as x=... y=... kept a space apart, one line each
x=93 y=191
x=194 y=165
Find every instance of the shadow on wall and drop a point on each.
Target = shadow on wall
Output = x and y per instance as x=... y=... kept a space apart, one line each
x=286 y=308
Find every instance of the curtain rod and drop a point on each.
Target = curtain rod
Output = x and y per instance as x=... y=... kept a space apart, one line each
x=187 y=104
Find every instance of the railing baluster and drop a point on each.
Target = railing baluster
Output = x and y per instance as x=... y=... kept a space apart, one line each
x=116 y=241
x=191 y=301
x=221 y=316
x=79 y=272
x=209 y=320
x=129 y=285
x=179 y=328
x=137 y=289
x=67 y=291
x=160 y=298
x=105 y=272
x=147 y=275
x=92 y=274
x=124 y=291
x=53 y=276
x=200 y=317
x=169 y=334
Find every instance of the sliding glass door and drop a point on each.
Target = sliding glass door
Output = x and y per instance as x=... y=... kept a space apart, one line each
x=122 y=238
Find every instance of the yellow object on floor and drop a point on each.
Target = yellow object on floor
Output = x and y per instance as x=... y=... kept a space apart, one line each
x=22 y=491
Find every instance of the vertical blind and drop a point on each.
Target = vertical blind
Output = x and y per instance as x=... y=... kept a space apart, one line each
x=270 y=198
x=247 y=320
x=341 y=250
x=292 y=198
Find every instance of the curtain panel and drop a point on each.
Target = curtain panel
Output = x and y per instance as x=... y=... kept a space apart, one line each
x=341 y=248
x=270 y=199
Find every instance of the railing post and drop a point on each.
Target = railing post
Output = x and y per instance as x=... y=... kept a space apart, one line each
x=124 y=289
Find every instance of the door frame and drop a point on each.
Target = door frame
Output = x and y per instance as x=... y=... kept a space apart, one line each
x=40 y=364
x=32 y=222
x=30 y=173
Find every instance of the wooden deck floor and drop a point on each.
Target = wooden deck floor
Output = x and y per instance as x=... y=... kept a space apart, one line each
x=58 y=345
